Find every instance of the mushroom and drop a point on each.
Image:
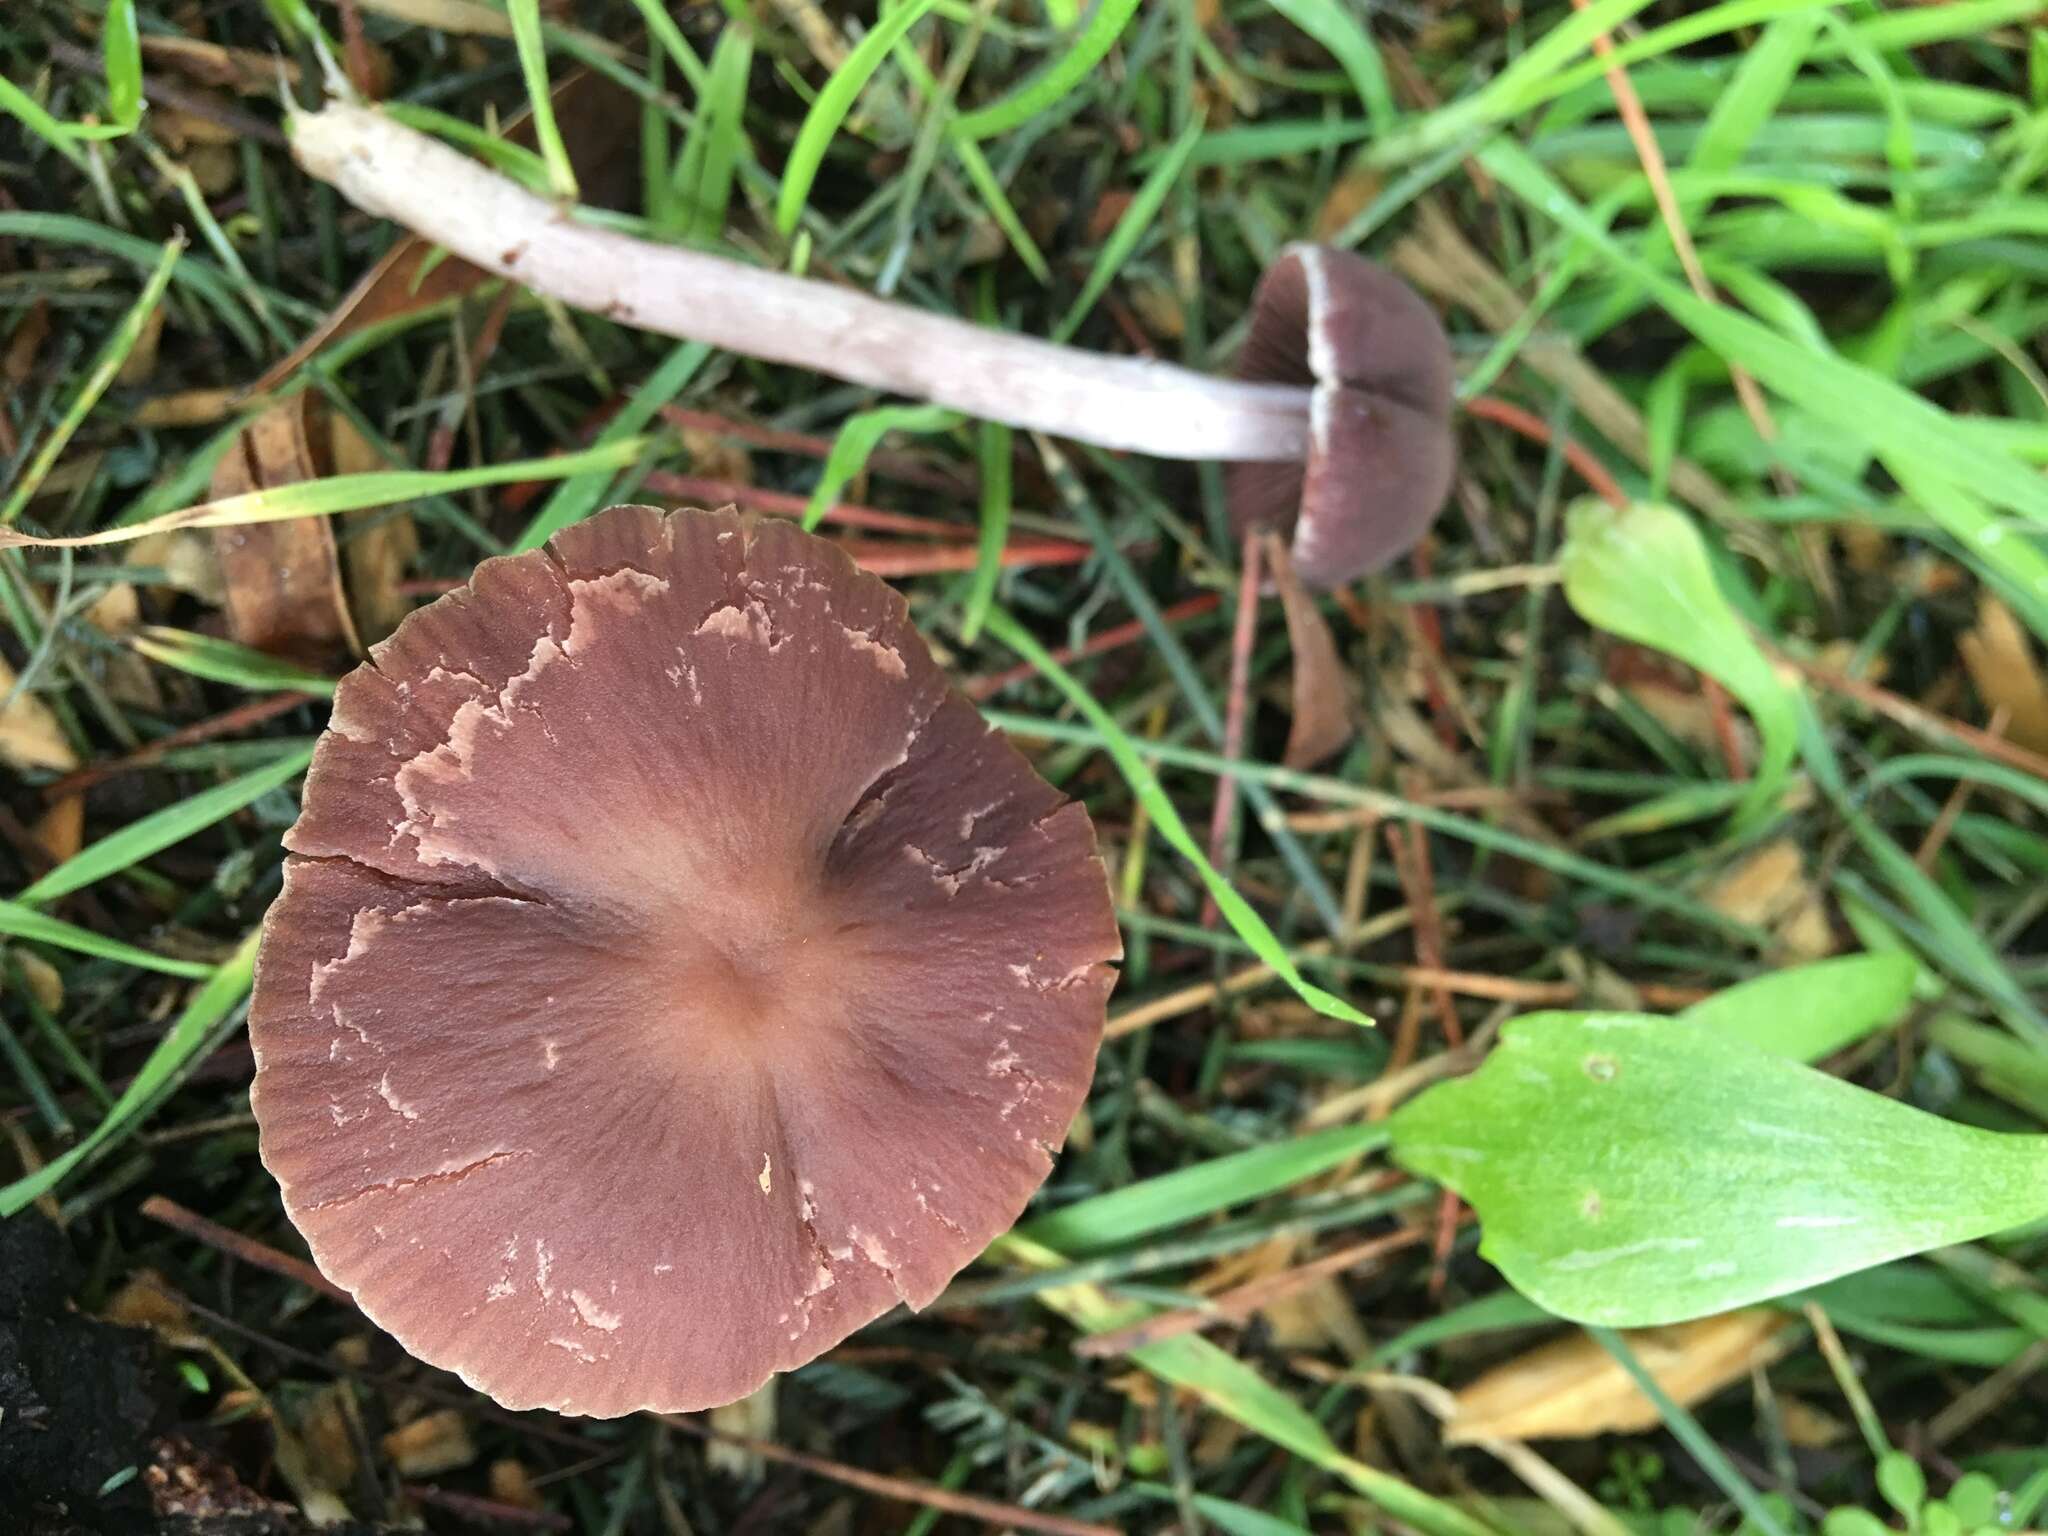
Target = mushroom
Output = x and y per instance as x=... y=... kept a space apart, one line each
x=1342 y=404
x=1378 y=366
x=672 y=972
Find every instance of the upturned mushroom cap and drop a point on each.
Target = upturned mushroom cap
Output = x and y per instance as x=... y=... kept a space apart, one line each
x=672 y=973
x=1380 y=447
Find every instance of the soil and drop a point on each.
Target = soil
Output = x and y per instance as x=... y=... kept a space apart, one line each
x=83 y=1402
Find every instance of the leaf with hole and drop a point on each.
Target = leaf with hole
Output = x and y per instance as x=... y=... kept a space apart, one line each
x=1634 y=1171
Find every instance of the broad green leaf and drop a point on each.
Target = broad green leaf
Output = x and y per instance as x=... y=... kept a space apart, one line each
x=1238 y=912
x=1632 y=1171
x=160 y=829
x=1811 y=1011
x=224 y=990
x=1642 y=573
x=1190 y=1193
x=223 y=661
x=821 y=123
x=858 y=437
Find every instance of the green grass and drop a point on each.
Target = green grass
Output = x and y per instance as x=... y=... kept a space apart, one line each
x=1864 y=186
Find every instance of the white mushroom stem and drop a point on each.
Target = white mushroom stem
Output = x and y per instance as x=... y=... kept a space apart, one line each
x=1125 y=403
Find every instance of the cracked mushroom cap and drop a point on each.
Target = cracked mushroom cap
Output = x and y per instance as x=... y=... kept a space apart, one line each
x=672 y=973
x=1380 y=446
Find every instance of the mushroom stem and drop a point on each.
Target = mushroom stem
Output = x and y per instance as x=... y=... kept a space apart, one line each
x=1133 y=404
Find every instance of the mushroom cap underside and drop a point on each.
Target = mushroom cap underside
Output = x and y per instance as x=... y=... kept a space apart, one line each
x=1381 y=451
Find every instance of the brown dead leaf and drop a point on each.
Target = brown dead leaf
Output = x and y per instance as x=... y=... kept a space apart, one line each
x=284 y=592
x=30 y=736
x=1352 y=194
x=378 y=545
x=1869 y=550
x=1808 y=1428
x=2002 y=663
x=409 y=277
x=45 y=983
x=60 y=830
x=323 y=1428
x=1103 y=217
x=140 y=362
x=717 y=457
x=512 y=1484
x=453 y=16
x=1159 y=308
x=147 y=1300
x=26 y=344
x=1573 y=1388
x=1319 y=723
x=1770 y=889
x=181 y=130
x=129 y=679
x=188 y=562
x=250 y=71
x=431 y=1444
x=187 y=408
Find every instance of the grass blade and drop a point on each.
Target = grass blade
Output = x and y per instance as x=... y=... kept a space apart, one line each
x=114 y=352
x=861 y=434
x=821 y=123
x=1106 y=23
x=1173 y=1199
x=1351 y=46
x=19 y=922
x=993 y=443
x=223 y=661
x=160 y=829
x=1166 y=819
x=345 y=493
x=223 y=992
x=121 y=53
x=1131 y=227
x=533 y=68
x=579 y=494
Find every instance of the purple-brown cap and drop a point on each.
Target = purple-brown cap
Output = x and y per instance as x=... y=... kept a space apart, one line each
x=672 y=972
x=1380 y=447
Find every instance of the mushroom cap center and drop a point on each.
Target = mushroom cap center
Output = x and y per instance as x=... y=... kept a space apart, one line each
x=746 y=968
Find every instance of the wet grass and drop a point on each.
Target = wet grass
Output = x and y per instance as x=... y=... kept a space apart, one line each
x=1854 y=414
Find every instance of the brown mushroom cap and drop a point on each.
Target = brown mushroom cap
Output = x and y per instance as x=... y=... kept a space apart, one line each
x=672 y=973
x=1380 y=447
